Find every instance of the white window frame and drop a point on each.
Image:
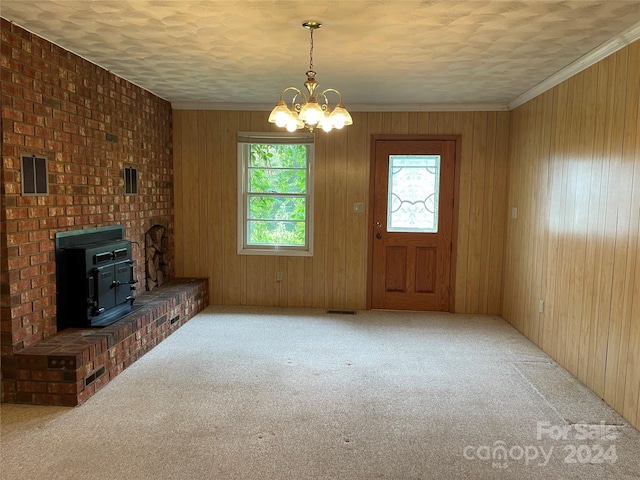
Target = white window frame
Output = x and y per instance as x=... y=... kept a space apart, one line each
x=245 y=139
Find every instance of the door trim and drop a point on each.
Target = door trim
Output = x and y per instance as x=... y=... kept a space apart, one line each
x=456 y=203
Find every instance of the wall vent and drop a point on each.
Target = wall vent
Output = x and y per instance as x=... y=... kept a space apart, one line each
x=342 y=312
x=130 y=181
x=35 y=179
x=92 y=378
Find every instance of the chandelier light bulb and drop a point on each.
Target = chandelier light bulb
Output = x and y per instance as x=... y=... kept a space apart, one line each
x=280 y=114
x=340 y=117
x=292 y=126
x=311 y=112
x=326 y=124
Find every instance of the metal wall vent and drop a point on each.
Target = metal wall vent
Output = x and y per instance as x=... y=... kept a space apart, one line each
x=95 y=375
x=35 y=179
x=130 y=181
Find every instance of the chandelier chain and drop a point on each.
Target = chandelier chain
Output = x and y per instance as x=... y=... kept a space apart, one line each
x=311 y=50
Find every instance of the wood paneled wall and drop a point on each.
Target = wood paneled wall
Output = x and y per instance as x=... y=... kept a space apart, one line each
x=205 y=165
x=574 y=177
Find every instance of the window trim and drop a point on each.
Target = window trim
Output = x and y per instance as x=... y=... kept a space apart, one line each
x=244 y=140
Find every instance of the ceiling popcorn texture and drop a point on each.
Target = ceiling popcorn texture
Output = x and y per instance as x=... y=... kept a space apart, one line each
x=383 y=54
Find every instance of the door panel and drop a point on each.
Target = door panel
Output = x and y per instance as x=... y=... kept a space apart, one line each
x=396 y=268
x=425 y=278
x=413 y=224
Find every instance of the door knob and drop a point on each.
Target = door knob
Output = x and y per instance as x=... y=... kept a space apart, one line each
x=378 y=225
x=378 y=235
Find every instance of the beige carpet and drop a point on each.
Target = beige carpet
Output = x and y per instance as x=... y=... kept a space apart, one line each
x=275 y=394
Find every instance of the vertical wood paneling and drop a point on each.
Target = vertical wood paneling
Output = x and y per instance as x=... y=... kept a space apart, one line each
x=544 y=118
x=201 y=188
x=599 y=195
x=191 y=202
x=576 y=205
x=609 y=208
x=295 y=289
x=475 y=219
x=214 y=269
x=498 y=218
x=339 y=218
x=631 y=401
x=358 y=164
x=464 y=127
x=582 y=140
x=234 y=278
x=628 y=218
x=321 y=226
x=631 y=409
x=590 y=198
x=620 y=190
x=330 y=165
x=178 y=203
x=487 y=213
x=336 y=276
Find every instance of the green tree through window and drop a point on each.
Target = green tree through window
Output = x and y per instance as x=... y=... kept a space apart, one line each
x=276 y=196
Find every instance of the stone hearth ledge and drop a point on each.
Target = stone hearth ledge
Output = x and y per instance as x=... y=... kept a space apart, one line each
x=69 y=367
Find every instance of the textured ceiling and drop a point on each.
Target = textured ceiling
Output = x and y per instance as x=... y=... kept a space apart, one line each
x=385 y=53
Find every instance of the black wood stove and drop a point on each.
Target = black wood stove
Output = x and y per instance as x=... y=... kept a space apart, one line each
x=94 y=270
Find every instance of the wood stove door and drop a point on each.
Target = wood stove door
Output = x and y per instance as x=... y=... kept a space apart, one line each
x=124 y=275
x=105 y=280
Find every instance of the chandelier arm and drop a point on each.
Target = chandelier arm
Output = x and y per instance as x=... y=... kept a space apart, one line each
x=297 y=90
x=324 y=94
x=299 y=93
x=325 y=106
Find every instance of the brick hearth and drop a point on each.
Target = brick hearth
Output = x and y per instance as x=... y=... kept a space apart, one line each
x=69 y=367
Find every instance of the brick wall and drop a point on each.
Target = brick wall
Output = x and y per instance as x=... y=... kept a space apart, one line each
x=60 y=106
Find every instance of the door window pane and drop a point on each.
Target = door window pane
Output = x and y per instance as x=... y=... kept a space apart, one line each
x=414 y=183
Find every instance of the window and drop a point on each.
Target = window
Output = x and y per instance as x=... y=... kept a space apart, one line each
x=414 y=189
x=275 y=194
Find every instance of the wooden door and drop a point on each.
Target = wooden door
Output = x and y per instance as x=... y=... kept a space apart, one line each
x=412 y=233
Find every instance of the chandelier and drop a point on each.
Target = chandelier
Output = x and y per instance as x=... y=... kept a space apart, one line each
x=312 y=110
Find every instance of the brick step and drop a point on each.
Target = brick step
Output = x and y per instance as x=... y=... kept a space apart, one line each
x=69 y=367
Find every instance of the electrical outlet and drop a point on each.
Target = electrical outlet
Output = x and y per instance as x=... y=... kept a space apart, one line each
x=541 y=306
x=514 y=212
x=278 y=276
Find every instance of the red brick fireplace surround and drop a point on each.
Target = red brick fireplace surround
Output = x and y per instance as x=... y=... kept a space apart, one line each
x=68 y=368
x=90 y=126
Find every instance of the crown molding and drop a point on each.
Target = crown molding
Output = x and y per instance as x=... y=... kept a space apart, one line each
x=594 y=56
x=364 y=107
